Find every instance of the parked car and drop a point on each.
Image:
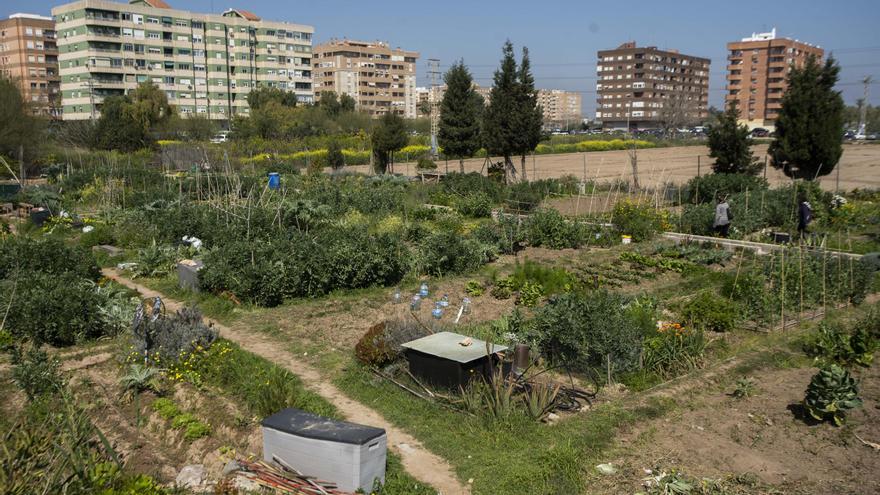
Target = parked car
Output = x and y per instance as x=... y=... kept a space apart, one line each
x=220 y=137
x=759 y=132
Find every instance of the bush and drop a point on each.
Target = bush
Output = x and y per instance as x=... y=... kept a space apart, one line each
x=448 y=252
x=708 y=188
x=101 y=234
x=381 y=345
x=638 y=219
x=674 y=349
x=35 y=373
x=425 y=164
x=550 y=229
x=167 y=339
x=831 y=343
x=831 y=393
x=477 y=205
x=709 y=312
x=60 y=309
x=597 y=330
x=46 y=255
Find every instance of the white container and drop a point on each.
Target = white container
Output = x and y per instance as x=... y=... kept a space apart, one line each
x=350 y=455
x=626 y=240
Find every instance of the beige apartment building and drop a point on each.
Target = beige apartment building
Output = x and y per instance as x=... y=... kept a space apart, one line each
x=645 y=87
x=561 y=108
x=381 y=79
x=757 y=69
x=29 y=56
x=206 y=63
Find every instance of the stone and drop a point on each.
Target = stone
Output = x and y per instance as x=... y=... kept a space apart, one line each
x=192 y=476
x=231 y=467
x=245 y=485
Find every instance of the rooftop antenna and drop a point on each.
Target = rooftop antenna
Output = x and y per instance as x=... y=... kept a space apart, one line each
x=434 y=74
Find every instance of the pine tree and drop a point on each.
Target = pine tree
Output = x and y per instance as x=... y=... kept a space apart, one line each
x=460 y=112
x=809 y=128
x=529 y=118
x=499 y=123
x=730 y=144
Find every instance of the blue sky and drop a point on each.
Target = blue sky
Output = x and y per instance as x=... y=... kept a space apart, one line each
x=563 y=36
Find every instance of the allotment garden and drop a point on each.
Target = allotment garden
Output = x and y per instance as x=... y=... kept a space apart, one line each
x=636 y=361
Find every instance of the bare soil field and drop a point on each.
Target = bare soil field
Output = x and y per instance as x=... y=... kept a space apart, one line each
x=859 y=166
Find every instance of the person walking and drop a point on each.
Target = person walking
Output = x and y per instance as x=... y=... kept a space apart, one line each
x=723 y=217
x=805 y=216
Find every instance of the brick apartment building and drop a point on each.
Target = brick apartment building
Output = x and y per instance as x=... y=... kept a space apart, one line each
x=29 y=56
x=756 y=74
x=206 y=63
x=645 y=87
x=381 y=79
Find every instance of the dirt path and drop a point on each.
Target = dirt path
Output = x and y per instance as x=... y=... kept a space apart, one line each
x=418 y=461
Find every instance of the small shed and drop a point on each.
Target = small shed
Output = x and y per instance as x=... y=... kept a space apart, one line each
x=350 y=455
x=451 y=360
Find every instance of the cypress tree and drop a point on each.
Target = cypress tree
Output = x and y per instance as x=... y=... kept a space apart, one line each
x=529 y=117
x=809 y=129
x=460 y=111
x=499 y=119
x=730 y=144
x=388 y=136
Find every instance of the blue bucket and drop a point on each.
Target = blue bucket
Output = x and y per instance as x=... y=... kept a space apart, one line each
x=274 y=180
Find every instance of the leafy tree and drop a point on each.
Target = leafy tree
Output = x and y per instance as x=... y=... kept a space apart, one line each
x=115 y=130
x=529 y=118
x=259 y=97
x=195 y=127
x=335 y=105
x=149 y=107
x=500 y=127
x=388 y=136
x=730 y=144
x=18 y=127
x=460 y=110
x=335 y=158
x=810 y=123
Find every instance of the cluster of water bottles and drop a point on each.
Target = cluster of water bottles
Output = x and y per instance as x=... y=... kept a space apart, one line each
x=415 y=303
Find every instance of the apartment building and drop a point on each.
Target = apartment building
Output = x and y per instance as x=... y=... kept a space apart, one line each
x=645 y=87
x=756 y=74
x=29 y=56
x=423 y=96
x=381 y=79
x=206 y=63
x=561 y=108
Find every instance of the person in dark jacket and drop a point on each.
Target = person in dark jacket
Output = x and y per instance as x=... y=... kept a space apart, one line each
x=805 y=215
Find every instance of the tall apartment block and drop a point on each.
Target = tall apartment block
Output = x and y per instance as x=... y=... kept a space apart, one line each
x=29 y=56
x=381 y=79
x=756 y=74
x=645 y=87
x=561 y=108
x=206 y=63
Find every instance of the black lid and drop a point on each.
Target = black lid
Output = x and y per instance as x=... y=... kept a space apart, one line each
x=303 y=424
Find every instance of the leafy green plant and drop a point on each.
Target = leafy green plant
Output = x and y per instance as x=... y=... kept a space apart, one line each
x=662 y=263
x=540 y=399
x=548 y=228
x=674 y=349
x=166 y=408
x=139 y=379
x=193 y=428
x=831 y=343
x=474 y=288
x=530 y=294
x=503 y=288
x=35 y=372
x=745 y=387
x=710 y=312
x=641 y=220
x=831 y=393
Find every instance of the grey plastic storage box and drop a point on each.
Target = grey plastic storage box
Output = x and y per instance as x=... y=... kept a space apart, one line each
x=188 y=274
x=348 y=454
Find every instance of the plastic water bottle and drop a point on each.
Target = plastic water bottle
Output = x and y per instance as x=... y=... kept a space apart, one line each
x=444 y=301
x=423 y=290
x=395 y=298
x=437 y=313
x=415 y=303
x=466 y=305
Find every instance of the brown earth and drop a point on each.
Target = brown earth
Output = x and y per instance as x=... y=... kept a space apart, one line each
x=422 y=464
x=859 y=166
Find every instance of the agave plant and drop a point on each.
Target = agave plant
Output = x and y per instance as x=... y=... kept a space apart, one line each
x=540 y=400
x=831 y=393
x=139 y=379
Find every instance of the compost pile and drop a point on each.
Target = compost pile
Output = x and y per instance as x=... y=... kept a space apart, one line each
x=284 y=479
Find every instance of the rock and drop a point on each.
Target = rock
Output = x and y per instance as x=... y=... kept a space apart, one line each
x=552 y=418
x=192 y=476
x=606 y=469
x=245 y=485
x=231 y=467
